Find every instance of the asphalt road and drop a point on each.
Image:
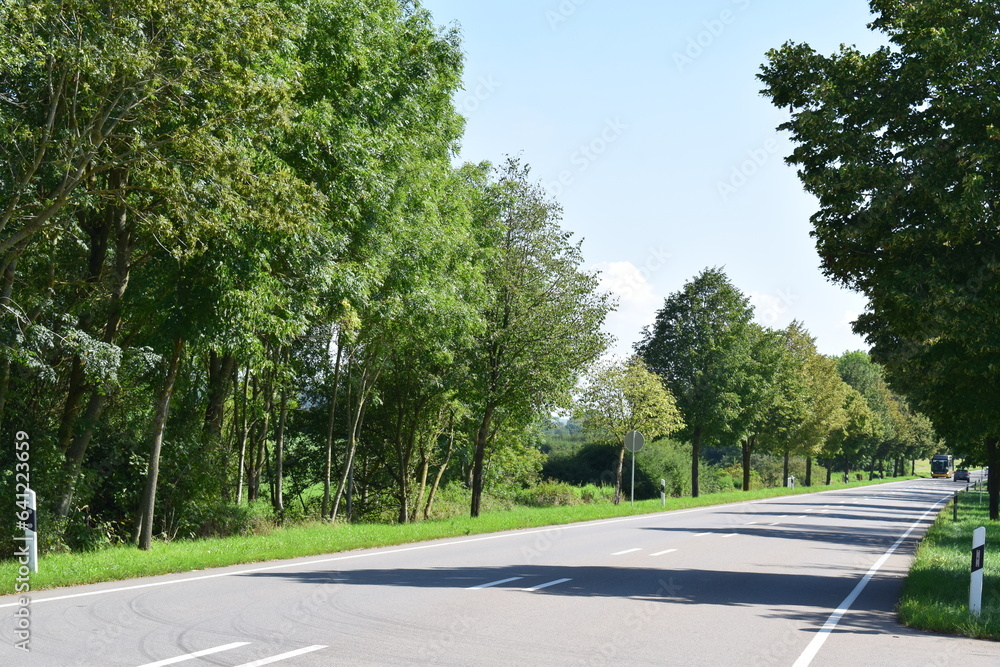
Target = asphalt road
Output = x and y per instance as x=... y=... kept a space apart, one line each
x=802 y=580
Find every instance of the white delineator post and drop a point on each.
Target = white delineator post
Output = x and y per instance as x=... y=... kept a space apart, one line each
x=31 y=531
x=978 y=556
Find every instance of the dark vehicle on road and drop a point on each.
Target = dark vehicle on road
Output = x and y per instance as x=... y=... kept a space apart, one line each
x=961 y=475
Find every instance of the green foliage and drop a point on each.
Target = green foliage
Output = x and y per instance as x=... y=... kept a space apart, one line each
x=899 y=148
x=624 y=397
x=700 y=346
x=549 y=494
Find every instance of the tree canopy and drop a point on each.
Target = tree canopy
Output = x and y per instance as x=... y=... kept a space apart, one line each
x=899 y=147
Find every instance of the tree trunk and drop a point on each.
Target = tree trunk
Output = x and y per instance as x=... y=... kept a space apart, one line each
x=242 y=434
x=328 y=470
x=747 y=447
x=220 y=374
x=829 y=474
x=156 y=444
x=77 y=447
x=993 y=484
x=440 y=473
x=809 y=471
x=785 y=470
x=6 y=292
x=279 y=457
x=71 y=407
x=368 y=379
x=618 y=473
x=482 y=439
x=695 y=456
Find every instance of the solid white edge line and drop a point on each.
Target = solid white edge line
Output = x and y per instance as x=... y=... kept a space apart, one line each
x=817 y=642
x=297 y=562
x=196 y=654
x=551 y=583
x=283 y=656
x=627 y=551
x=660 y=553
x=493 y=583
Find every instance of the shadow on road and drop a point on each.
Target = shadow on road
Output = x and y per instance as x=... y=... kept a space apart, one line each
x=808 y=598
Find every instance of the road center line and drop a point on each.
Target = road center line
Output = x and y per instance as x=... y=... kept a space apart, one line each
x=551 y=583
x=627 y=551
x=814 y=646
x=283 y=656
x=660 y=553
x=702 y=534
x=493 y=583
x=196 y=654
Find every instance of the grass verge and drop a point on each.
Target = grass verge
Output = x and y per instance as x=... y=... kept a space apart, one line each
x=936 y=593
x=127 y=562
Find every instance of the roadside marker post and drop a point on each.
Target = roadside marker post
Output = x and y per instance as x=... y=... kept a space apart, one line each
x=663 y=492
x=634 y=442
x=976 y=585
x=31 y=530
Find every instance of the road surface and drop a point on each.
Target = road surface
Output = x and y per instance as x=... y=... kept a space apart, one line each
x=800 y=580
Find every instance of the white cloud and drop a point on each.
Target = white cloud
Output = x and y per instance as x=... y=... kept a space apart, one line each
x=773 y=310
x=637 y=303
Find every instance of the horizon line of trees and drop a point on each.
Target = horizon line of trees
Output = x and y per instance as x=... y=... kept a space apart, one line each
x=706 y=372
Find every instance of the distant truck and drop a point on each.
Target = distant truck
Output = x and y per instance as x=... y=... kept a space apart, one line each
x=941 y=465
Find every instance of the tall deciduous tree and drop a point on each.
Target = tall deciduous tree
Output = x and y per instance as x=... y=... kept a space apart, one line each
x=699 y=345
x=899 y=146
x=542 y=316
x=825 y=394
x=772 y=393
x=623 y=397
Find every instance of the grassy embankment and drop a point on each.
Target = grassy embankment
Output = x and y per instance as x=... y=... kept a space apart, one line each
x=936 y=593
x=127 y=562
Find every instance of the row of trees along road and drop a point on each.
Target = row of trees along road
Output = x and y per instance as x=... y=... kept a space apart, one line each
x=735 y=381
x=237 y=262
x=900 y=148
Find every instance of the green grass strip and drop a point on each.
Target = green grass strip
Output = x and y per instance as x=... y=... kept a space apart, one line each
x=936 y=593
x=313 y=539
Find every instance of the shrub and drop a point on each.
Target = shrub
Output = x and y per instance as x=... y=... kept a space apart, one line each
x=220 y=519
x=549 y=494
x=593 y=494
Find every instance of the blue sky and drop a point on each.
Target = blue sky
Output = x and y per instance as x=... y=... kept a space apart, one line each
x=644 y=120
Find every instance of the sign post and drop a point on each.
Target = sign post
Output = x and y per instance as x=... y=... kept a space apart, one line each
x=978 y=556
x=633 y=443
